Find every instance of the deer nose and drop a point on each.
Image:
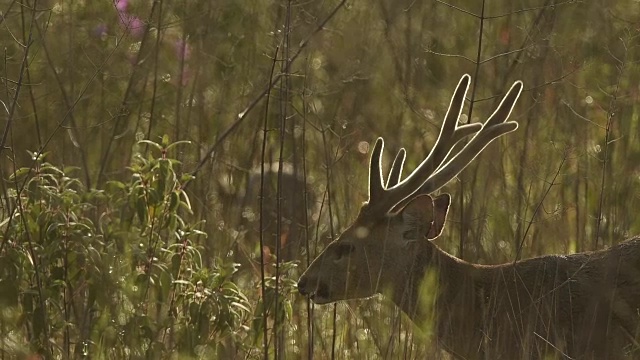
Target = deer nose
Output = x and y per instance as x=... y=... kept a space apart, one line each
x=302 y=286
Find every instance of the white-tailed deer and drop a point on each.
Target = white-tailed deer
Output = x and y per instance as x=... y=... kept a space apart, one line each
x=580 y=306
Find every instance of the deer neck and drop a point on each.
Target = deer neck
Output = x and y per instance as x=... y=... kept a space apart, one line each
x=427 y=281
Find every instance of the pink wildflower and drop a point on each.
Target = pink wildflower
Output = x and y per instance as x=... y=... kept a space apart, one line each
x=136 y=27
x=121 y=5
x=132 y=24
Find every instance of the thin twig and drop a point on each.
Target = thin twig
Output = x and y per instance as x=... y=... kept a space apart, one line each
x=610 y=115
x=243 y=115
x=265 y=332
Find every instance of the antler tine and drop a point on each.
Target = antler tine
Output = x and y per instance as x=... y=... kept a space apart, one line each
x=439 y=156
x=450 y=134
x=449 y=126
x=493 y=128
x=396 y=168
x=431 y=174
x=376 y=187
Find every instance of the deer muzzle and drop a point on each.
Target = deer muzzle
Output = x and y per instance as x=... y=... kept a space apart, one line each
x=317 y=291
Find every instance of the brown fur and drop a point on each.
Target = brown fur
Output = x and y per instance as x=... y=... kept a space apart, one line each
x=580 y=306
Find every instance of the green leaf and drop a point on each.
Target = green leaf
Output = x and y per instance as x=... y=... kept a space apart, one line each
x=149 y=142
x=187 y=203
x=142 y=211
x=241 y=306
x=174 y=201
x=176 y=261
x=186 y=142
x=186 y=177
x=117 y=184
x=19 y=173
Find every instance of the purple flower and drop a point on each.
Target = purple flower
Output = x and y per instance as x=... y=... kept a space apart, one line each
x=121 y=5
x=132 y=23
x=136 y=27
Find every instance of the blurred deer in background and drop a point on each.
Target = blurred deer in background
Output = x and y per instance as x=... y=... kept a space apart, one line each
x=294 y=218
x=580 y=306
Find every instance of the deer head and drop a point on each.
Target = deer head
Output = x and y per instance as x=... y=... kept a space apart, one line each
x=401 y=215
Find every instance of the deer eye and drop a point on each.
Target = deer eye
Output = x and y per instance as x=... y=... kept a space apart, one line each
x=410 y=234
x=343 y=250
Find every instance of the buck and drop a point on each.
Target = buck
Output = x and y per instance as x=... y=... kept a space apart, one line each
x=579 y=306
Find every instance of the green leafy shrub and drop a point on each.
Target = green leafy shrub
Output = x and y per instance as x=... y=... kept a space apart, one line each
x=111 y=273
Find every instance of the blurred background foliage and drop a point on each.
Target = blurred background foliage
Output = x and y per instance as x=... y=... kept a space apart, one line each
x=137 y=136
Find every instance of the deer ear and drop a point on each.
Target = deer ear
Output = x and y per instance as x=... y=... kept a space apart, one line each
x=416 y=218
x=440 y=209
